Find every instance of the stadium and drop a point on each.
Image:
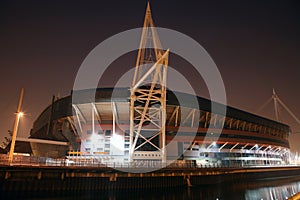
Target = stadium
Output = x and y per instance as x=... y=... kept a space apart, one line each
x=148 y=123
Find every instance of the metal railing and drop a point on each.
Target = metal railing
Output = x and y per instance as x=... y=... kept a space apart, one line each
x=92 y=162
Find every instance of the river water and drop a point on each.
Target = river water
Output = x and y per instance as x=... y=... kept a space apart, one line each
x=267 y=189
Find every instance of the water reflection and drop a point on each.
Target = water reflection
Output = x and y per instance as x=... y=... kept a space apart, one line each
x=272 y=193
x=270 y=189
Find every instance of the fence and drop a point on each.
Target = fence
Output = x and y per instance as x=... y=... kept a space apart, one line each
x=19 y=160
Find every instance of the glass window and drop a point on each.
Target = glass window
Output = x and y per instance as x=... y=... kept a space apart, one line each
x=108 y=133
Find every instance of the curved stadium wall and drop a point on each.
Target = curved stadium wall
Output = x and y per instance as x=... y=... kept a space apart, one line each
x=246 y=139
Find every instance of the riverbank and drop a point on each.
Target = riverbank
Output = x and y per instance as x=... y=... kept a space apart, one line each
x=68 y=178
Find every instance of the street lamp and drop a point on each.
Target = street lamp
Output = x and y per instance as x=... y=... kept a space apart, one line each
x=19 y=114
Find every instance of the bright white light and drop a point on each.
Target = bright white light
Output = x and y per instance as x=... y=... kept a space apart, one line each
x=20 y=114
x=117 y=144
x=93 y=137
x=118 y=138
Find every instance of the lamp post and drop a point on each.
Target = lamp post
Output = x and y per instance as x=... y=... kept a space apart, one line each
x=19 y=114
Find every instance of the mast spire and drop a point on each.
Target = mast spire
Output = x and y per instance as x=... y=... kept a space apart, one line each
x=150 y=49
x=148 y=97
x=148 y=10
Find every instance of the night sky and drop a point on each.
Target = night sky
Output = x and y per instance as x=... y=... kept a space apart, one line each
x=255 y=44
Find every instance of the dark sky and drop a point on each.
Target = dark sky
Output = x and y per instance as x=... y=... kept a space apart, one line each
x=255 y=44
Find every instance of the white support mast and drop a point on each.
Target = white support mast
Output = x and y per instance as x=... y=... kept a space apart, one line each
x=289 y=111
x=276 y=109
x=148 y=97
x=277 y=102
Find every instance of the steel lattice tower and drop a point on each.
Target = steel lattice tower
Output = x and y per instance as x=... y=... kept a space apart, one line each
x=148 y=97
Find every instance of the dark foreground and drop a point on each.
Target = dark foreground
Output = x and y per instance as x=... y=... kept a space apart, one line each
x=106 y=183
x=262 y=189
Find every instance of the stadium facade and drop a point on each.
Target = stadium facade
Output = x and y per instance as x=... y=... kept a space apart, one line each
x=103 y=128
x=246 y=138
